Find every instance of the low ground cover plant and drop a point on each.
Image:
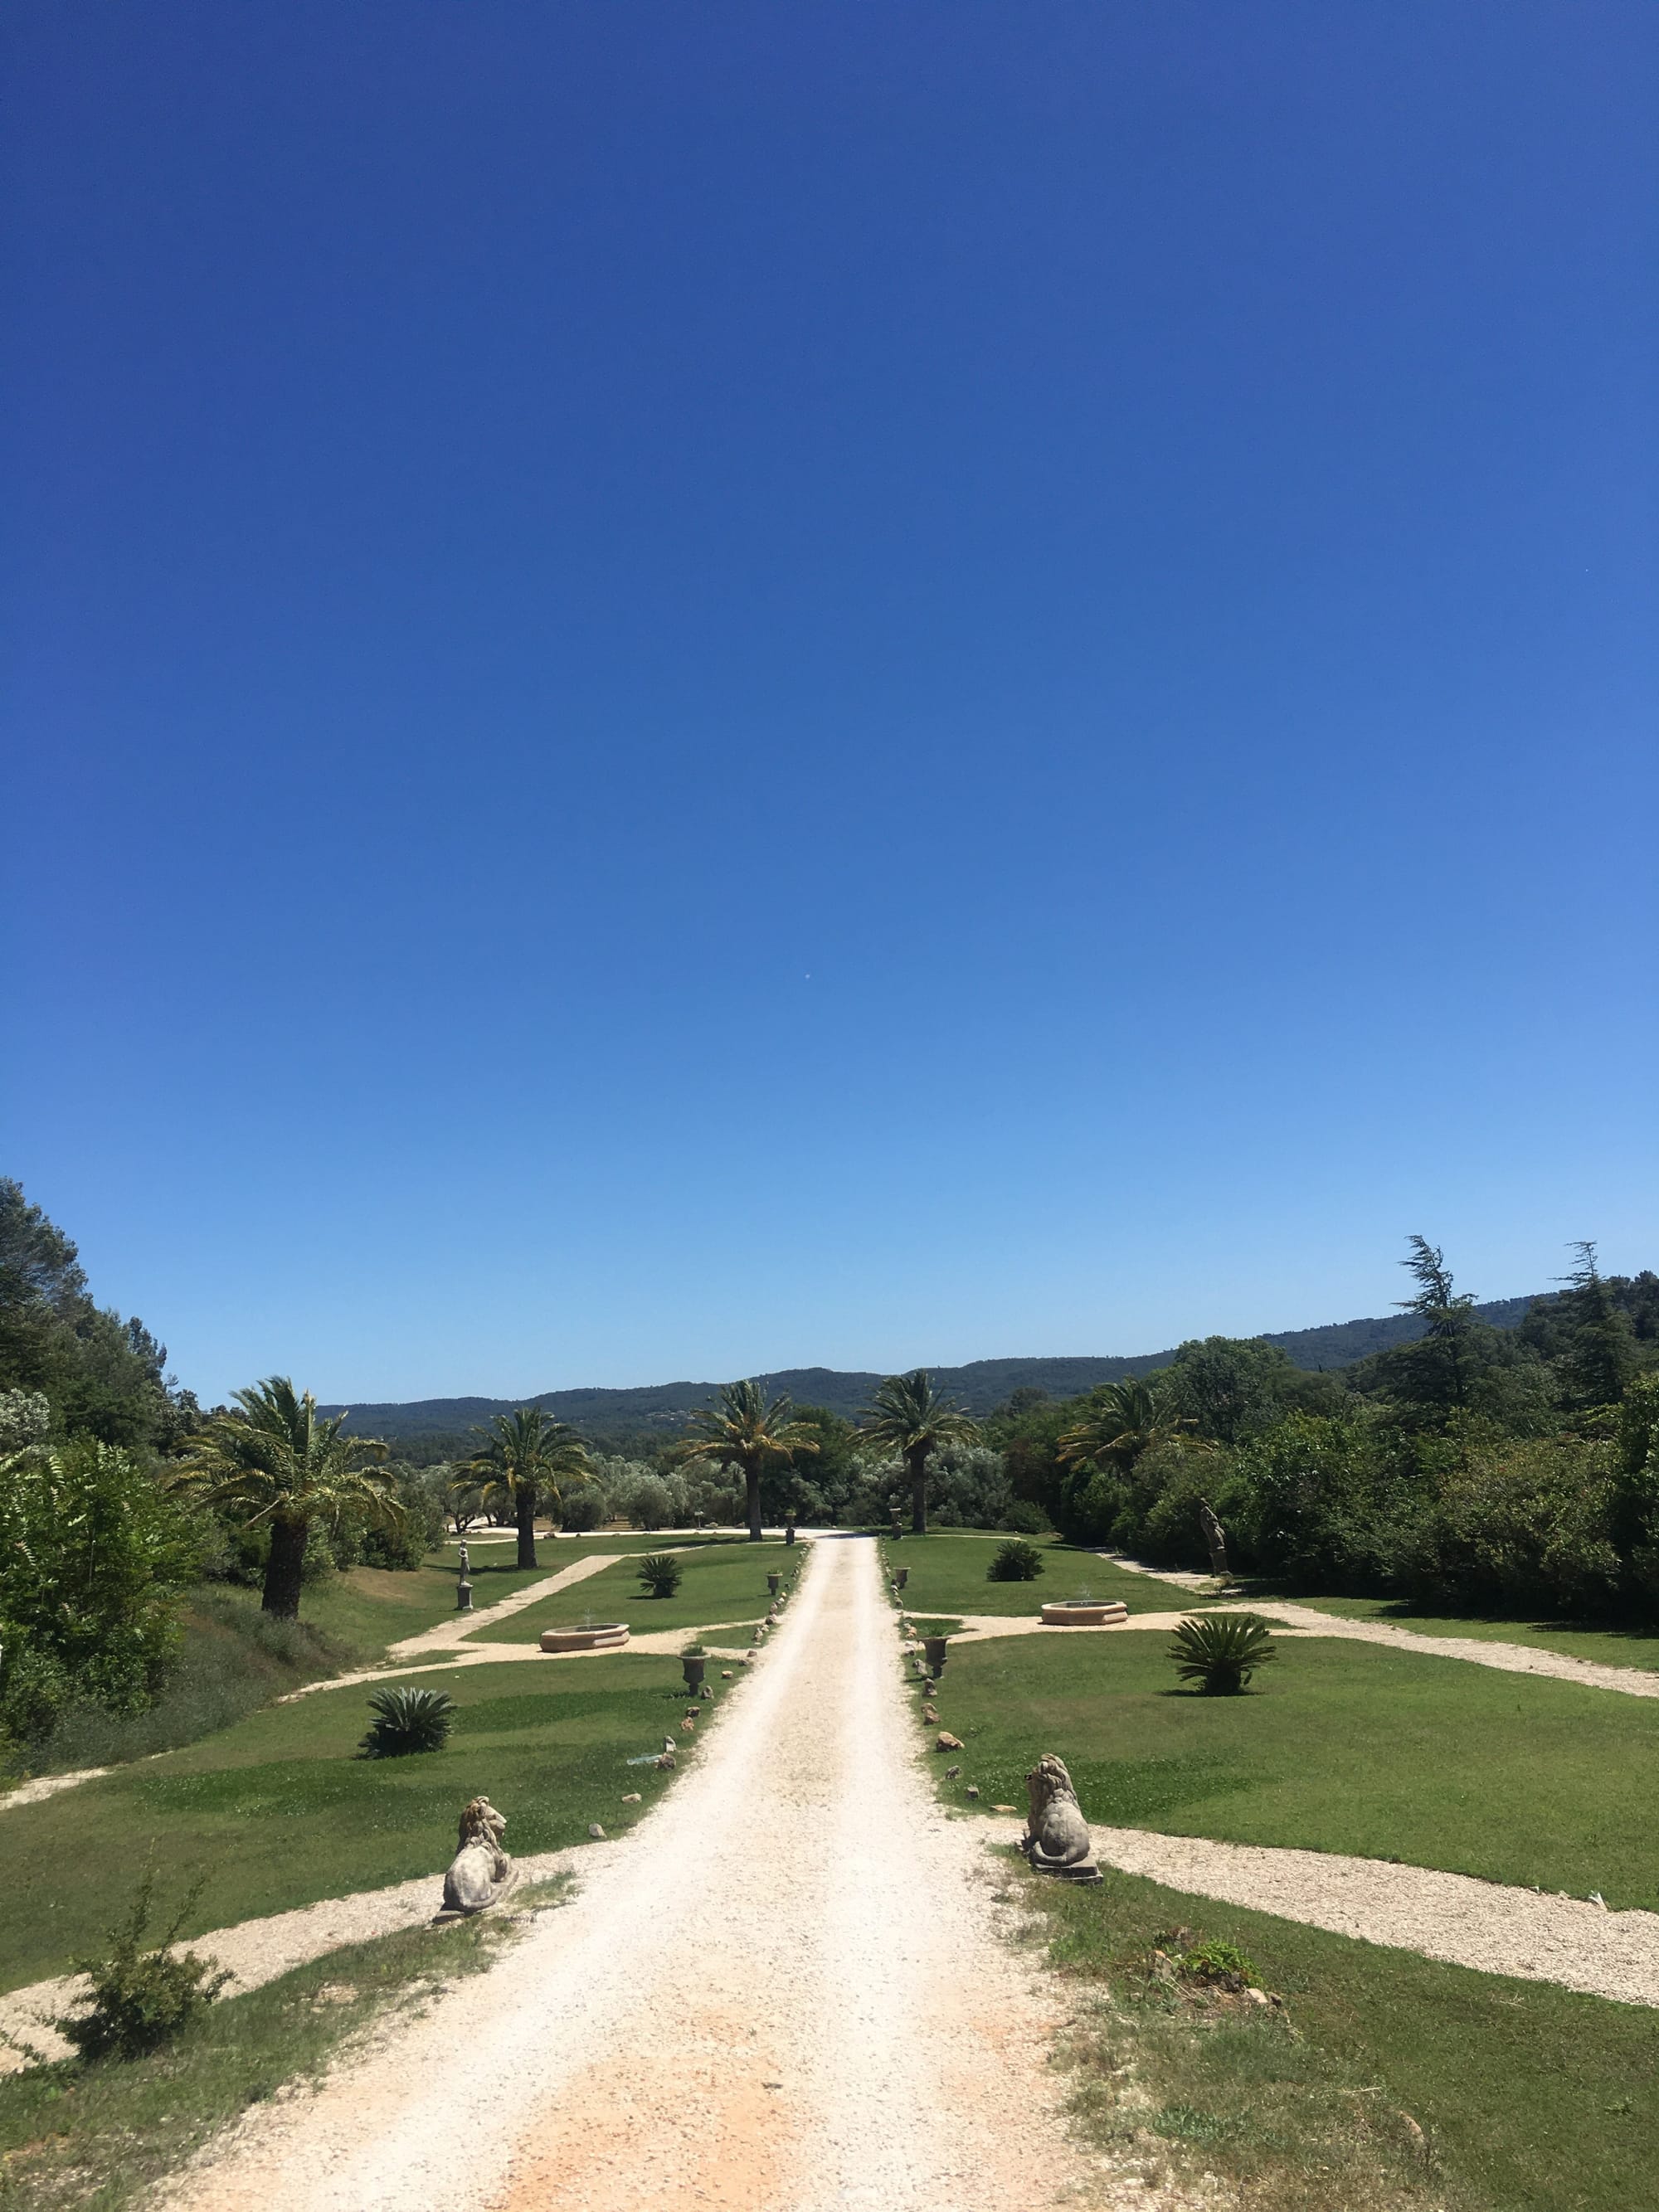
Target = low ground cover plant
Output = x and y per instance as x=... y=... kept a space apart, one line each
x=1015 y=1561
x=407 y=1719
x=1221 y=1651
x=661 y=1573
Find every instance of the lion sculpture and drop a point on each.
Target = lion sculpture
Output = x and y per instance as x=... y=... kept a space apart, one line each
x=1056 y=1839
x=481 y=1872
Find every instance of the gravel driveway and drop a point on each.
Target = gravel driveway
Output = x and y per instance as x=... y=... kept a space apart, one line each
x=783 y=1993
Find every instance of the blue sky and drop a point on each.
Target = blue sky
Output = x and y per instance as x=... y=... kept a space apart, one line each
x=697 y=687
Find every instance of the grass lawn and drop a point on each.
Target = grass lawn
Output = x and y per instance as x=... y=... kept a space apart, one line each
x=947 y=1575
x=1611 y=1646
x=725 y=1584
x=96 y=2135
x=1340 y=1748
x=366 y=1608
x=280 y=1811
x=1531 y=2099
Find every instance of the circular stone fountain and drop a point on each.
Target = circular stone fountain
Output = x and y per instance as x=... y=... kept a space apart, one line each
x=1085 y=1613
x=603 y=1636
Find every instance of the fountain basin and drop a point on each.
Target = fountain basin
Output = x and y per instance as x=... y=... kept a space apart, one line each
x=609 y=1636
x=1070 y=1612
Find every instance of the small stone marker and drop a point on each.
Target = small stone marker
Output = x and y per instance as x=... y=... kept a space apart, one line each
x=633 y=1798
x=949 y=1742
x=596 y=1832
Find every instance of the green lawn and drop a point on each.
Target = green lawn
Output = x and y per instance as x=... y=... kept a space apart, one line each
x=720 y=1585
x=280 y=1811
x=366 y=1608
x=98 y=2136
x=1341 y=1748
x=1532 y=2099
x=1611 y=1646
x=947 y=1575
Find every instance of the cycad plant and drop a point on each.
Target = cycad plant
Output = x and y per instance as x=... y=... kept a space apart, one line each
x=407 y=1720
x=1015 y=1561
x=660 y=1571
x=743 y=1430
x=1220 y=1651
x=273 y=1460
x=910 y=1417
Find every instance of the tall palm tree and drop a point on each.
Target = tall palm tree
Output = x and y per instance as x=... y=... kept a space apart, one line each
x=536 y=1459
x=909 y=1416
x=743 y=1430
x=273 y=1459
x=1121 y=1421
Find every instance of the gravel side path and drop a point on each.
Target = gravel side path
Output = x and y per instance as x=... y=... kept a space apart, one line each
x=257 y=1951
x=1444 y=1916
x=783 y=1993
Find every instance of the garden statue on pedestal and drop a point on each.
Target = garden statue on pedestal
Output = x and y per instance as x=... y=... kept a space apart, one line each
x=1216 y=1537
x=481 y=1872
x=1056 y=1839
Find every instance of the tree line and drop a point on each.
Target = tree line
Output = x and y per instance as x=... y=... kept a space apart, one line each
x=1473 y=1466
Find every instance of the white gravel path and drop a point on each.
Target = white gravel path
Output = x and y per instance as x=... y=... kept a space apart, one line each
x=783 y=1993
x=1444 y=1916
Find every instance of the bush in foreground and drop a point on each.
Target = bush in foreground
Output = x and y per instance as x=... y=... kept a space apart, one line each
x=140 y=1999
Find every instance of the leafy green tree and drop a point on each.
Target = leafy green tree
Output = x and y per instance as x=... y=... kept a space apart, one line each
x=92 y=1554
x=101 y=1375
x=741 y=1430
x=1229 y=1386
x=910 y=1417
x=536 y=1459
x=273 y=1462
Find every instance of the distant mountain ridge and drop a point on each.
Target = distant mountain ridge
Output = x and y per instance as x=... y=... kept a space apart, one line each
x=662 y=1408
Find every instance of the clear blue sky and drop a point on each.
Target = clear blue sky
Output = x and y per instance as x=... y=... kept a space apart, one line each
x=699 y=686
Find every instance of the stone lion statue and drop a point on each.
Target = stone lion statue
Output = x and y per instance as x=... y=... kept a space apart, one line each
x=481 y=1871
x=1056 y=1839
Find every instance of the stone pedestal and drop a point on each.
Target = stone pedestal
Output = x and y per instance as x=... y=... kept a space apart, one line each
x=463 y=1597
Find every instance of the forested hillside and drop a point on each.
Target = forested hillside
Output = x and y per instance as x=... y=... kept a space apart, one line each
x=658 y=1411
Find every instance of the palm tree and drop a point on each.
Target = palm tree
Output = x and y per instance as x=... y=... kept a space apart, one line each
x=273 y=1459
x=1121 y=1420
x=743 y=1430
x=529 y=1455
x=911 y=1418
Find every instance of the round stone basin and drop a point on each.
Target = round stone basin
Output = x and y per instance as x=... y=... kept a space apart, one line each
x=1068 y=1613
x=607 y=1636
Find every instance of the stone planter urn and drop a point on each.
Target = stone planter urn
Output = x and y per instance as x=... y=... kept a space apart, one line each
x=901 y=1576
x=775 y=1584
x=934 y=1646
x=1084 y=1613
x=691 y=1666
x=606 y=1636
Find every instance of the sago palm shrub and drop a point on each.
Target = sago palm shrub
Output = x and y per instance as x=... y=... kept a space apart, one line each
x=1220 y=1651
x=659 y=1572
x=407 y=1719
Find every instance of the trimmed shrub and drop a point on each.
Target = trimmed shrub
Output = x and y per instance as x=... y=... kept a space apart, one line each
x=409 y=1719
x=1220 y=1651
x=659 y=1573
x=1015 y=1561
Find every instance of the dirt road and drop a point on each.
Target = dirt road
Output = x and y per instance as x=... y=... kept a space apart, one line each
x=782 y=1993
